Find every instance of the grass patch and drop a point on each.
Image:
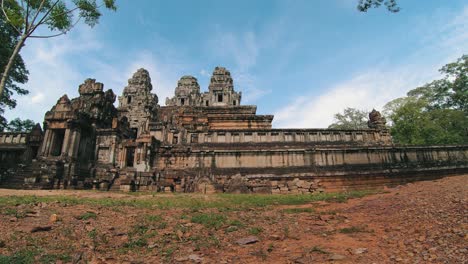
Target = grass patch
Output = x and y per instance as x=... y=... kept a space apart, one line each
x=298 y=210
x=14 y=212
x=53 y=258
x=156 y=221
x=153 y=218
x=236 y=223
x=23 y=256
x=191 y=201
x=209 y=220
x=353 y=229
x=255 y=230
x=135 y=243
x=87 y=216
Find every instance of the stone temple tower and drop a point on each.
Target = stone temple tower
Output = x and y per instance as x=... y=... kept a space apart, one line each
x=137 y=103
x=187 y=93
x=221 y=90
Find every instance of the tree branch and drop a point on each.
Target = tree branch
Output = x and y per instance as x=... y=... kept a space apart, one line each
x=8 y=19
x=59 y=34
x=49 y=36
x=43 y=18
x=37 y=14
x=26 y=24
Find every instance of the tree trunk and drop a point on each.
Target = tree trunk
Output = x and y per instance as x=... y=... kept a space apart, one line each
x=5 y=73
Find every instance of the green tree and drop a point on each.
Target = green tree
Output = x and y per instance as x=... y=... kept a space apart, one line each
x=58 y=16
x=436 y=113
x=350 y=119
x=18 y=125
x=18 y=73
x=365 y=5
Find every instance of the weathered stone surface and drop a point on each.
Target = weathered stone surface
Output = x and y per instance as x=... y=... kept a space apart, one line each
x=247 y=240
x=376 y=120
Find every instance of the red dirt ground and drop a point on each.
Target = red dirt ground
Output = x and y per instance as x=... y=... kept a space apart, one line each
x=424 y=222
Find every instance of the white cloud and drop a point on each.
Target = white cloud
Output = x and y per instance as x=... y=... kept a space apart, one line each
x=51 y=74
x=243 y=49
x=366 y=91
x=54 y=71
x=372 y=88
x=37 y=98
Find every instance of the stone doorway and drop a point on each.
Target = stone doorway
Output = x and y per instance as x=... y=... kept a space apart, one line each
x=58 y=137
x=129 y=159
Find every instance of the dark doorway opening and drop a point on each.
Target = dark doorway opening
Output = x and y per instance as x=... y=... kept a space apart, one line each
x=130 y=157
x=59 y=135
x=34 y=151
x=220 y=97
x=135 y=131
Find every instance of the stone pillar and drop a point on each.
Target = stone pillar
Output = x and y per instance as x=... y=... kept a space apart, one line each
x=112 y=150
x=46 y=143
x=66 y=141
x=74 y=144
x=51 y=143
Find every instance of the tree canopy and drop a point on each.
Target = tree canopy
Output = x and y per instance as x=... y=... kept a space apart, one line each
x=435 y=113
x=58 y=16
x=18 y=73
x=365 y=5
x=350 y=119
x=18 y=125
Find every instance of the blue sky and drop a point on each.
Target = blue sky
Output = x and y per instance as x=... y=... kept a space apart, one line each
x=302 y=60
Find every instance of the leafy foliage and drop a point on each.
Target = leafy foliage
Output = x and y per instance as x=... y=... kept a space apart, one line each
x=18 y=73
x=350 y=119
x=436 y=113
x=18 y=125
x=391 y=5
x=24 y=17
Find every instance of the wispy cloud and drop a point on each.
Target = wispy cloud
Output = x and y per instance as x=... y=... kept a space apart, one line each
x=52 y=74
x=54 y=71
x=373 y=87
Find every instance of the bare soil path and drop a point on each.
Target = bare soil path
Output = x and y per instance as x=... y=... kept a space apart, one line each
x=424 y=222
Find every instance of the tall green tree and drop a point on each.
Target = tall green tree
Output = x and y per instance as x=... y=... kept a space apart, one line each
x=435 y=113
x=351 y=118
x=365 y=5
x=58 y=16
x=18 y=73
x=18 y=125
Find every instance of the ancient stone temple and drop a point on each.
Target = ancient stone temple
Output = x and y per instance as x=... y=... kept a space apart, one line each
x=210 y=142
